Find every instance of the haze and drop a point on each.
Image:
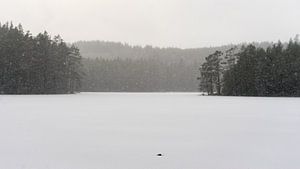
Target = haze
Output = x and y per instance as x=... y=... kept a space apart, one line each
x=175 y=23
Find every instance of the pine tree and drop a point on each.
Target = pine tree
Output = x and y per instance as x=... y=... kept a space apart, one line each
x=211 y=74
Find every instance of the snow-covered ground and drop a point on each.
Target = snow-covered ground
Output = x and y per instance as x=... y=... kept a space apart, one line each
x=126 y=131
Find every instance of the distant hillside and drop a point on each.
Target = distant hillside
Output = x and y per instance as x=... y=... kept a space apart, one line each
x=113 y=50
x=118 y=67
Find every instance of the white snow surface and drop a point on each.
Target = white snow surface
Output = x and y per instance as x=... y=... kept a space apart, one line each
x=127 y=131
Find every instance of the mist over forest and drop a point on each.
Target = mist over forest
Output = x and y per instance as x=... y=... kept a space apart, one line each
x=120 y=67
x=47 y=65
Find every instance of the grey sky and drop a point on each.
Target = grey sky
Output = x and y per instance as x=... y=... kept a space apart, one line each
x=176 y=23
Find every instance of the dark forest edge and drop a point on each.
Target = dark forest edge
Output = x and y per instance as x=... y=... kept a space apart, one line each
x=44 y=65
x=37 y=64
x=253 y=71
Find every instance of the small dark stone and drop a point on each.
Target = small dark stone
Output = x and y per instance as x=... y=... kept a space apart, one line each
x=159 y=155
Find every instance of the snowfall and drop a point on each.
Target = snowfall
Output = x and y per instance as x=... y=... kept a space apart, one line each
x=127 y=131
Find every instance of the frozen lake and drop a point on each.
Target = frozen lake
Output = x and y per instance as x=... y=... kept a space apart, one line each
x=126 y=131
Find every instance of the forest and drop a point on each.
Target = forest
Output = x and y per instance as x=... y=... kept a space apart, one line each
x=141 y=75
x=119 y=67
x=44 y=65
x=253 y=71
x=37 y=64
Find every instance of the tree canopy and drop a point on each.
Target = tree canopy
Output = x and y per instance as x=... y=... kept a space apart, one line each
x=272 y=71
x=37 y=64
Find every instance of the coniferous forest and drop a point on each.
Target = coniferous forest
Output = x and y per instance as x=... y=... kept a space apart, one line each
x=44 y=65
x=141 y=75
x=37 y=64
x=253 y=71
x=119 y=67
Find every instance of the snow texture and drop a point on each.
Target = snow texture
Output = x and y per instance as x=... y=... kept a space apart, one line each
x=127 y=131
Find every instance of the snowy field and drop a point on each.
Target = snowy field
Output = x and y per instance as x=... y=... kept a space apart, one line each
x=126 y=131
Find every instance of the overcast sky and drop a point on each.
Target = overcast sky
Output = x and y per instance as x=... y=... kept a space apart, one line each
x=174 y=23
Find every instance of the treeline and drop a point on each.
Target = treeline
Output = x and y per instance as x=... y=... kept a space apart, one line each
x=254 y=71
x=126 y=68
x=36 y=64
x=119 y=67
x=139 y=75
x=117 y=50
x=44 y=65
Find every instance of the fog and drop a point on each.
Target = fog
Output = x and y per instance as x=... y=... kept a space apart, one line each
x=175 y=23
